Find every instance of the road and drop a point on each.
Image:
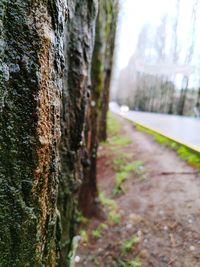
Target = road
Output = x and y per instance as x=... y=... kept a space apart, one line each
x=183 y=129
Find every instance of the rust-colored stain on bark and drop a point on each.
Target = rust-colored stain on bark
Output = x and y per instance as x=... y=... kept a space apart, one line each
x=45 y=127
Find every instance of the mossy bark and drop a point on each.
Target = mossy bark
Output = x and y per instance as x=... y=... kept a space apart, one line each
x=79 y=38
x=112 y=15
x=45 y=54
x=88 y=198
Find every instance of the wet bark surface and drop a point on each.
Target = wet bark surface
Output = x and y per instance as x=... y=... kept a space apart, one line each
x=79 y=39
x=45 y=49
x=108 y=66
x=98 y=102
x=104 y=107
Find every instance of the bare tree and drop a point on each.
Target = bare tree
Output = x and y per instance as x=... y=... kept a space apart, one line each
x=188 y=59
x=88 y=197
x=112 y=15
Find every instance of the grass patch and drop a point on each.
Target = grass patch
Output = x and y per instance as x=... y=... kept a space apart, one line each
x=97 y=233
x=120 y=141
x=114 y=217
x=190 y=156
x=94 y=260
x=121 y=177
x=80 y=218
x=119 y=162
x=113 y=125
x=110 y=204
x=84 y=236
x=129 y=244
x=124 y=263
x=136 y=166
x=124 y=170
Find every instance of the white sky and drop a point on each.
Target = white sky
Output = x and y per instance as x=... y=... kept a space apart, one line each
x=133 y=15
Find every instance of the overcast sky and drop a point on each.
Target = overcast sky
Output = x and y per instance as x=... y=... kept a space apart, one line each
x=135 y=13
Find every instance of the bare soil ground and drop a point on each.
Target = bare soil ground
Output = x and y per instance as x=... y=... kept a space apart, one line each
x=159 y=208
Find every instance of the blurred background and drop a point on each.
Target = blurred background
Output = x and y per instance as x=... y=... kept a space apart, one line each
x=157 y=57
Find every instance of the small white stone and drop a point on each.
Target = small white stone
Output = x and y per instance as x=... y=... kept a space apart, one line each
x=161 y=212
x=129 y=226
x=77 y=259
x=139 y=233
x=190 y=221
x=165 y=228
x=93 y=103
x=192 y=248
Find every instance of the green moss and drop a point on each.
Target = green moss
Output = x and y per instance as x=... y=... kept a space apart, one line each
x=18 y=90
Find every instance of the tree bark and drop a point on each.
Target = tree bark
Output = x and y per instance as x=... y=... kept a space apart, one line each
x=183 y=96
x=79 y=39
x=111 y=10
x=88 y=194
x=88 y=197
x=104 y=106
x=45 y=56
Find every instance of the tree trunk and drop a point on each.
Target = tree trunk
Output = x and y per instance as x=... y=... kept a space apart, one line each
x=46 y=50
x=88 y=198
x=111 y=10
x=88 y=193
x=104 y=107
x=183 y=96
x=78 y=55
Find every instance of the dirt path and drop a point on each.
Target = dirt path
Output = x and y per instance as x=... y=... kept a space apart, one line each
x=158 y=203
